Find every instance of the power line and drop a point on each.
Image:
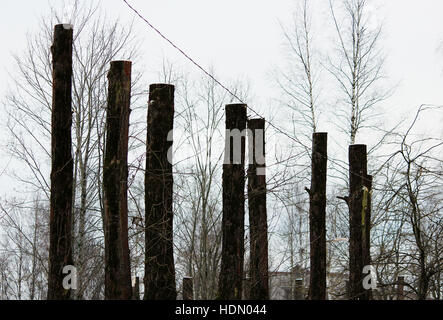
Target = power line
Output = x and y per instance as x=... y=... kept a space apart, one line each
x=218 y=82
x=201 y=68
x=181 y=51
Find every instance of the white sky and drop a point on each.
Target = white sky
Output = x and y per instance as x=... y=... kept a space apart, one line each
x=242 y=38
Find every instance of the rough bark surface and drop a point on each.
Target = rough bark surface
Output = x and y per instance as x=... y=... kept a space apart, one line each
x=115 y=183
x=159 y=256
x=357 y=175
x=317 y=217
x=366 y=230
x=188 y=289
x=60 y=246
x=400 y=288
x=136 y=289
x=258 y=221
x=233 y=221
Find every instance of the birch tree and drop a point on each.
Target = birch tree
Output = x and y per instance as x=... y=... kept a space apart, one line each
x=358 y=66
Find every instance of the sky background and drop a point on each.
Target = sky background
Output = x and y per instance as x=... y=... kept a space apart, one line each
x=244 y=39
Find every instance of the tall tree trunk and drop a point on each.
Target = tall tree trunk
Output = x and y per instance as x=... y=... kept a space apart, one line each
x=317 y=217
x=258 y=221
x=60 y=247
x=233 y=221
x=115 y=183
x=159 y=258
x=357 y=175
x=366 y=229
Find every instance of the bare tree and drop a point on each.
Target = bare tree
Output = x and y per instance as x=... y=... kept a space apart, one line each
x=97 y=41
x=406 y=232
x=299 y=81
x=198 y=159
x=420 y=194
x=24 y=250
x=358 y=68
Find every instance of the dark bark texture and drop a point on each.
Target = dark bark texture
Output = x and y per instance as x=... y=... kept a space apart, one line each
x=60 y=247
x=357 y=174
x=188 y=289
x=159 y=259
x=115 y=183
x=233 y=221
x=317 y=217
x=366 y=230
x=136 y=289
x=400 y=288
x=258 y=221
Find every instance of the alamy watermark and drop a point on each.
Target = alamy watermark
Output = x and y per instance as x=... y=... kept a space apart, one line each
x=234 y=143
x=256 y=150
x=70 y=281
x=370 y=280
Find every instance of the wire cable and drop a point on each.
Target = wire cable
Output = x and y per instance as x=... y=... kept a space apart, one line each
x=207 y=73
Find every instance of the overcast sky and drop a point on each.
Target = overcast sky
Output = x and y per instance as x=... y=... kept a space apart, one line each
x=242 y=38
